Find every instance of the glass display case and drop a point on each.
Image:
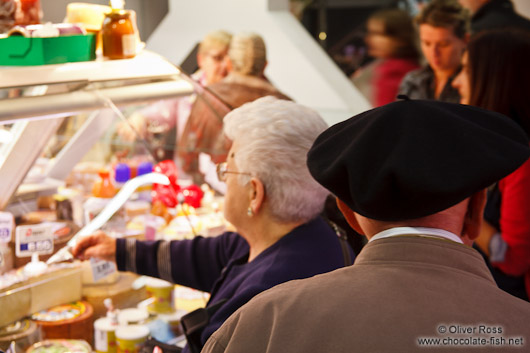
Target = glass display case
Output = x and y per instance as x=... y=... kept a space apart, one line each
x=54 y=119
x=55 y=116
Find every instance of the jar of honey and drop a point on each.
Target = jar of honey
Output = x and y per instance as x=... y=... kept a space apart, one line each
x=118 y=35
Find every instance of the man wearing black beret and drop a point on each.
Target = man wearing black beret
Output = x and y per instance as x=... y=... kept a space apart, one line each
x=411 y=176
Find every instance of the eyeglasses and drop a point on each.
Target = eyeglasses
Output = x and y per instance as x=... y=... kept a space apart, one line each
x=222 y=170
x=218 y=57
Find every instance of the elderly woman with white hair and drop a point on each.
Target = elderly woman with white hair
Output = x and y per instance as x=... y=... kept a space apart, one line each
x=271 y=200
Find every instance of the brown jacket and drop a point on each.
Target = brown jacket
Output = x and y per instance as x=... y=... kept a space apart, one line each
x=203 y=131
x=399 y=290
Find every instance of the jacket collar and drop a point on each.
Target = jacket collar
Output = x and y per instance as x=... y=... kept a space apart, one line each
x=410 y=249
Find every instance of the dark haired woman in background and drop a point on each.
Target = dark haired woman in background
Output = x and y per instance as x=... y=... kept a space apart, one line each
x=495 y=76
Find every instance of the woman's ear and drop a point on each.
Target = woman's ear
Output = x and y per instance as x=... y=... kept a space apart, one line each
x=350 y=216
x=228 y=64
x=256 y=194
x=474 y=214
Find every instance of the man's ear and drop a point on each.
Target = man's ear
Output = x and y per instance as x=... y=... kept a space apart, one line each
x=474 y=214
x=350 y=216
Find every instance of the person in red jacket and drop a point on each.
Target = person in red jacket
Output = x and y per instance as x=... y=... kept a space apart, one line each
x=390 y=38
x=495 y=72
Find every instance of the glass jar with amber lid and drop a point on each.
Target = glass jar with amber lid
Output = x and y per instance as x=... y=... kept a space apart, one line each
x=118 y=35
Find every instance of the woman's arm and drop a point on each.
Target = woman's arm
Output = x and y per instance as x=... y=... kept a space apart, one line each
x=515 y=221
x=196 y=263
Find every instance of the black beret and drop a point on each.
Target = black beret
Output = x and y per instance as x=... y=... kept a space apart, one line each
x=414 y=158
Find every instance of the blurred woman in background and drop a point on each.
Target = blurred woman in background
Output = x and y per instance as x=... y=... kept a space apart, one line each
x=495 y=74
x=391 y=40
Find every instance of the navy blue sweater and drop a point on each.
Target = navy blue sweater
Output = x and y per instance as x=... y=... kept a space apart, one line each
x=219 y=265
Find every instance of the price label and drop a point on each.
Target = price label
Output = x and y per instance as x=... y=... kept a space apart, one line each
x=6 y=226
x=34 y=239
x=101 y=268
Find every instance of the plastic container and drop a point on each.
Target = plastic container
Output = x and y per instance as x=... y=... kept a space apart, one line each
x=131 y=338
x=103 y=188
x=122 y=174
x=22 y=51
x=105 y=335
x=144 y=192
x=118 y=35
x=132 y=316
x=162 y=294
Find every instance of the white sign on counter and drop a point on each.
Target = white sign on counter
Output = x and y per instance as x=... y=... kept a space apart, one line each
x=101 y=268
x=6 y=227
x=34 y=239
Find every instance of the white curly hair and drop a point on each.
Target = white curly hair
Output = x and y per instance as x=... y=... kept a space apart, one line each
x=274 y=137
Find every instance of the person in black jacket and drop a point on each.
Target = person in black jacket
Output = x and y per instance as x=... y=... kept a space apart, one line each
x=491 y=14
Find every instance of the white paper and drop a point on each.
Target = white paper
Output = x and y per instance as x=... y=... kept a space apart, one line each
x=101 y=268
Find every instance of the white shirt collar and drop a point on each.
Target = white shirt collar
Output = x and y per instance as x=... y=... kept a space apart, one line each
x=419 y=231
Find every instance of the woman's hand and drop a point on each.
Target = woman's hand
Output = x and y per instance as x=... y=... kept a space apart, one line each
x=98 y=245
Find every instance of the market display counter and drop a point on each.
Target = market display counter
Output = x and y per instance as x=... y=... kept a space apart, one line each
x=58 y=308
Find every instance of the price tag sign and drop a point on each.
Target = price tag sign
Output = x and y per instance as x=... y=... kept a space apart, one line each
x=6 y=227
x=101 y=268
x=34 y=239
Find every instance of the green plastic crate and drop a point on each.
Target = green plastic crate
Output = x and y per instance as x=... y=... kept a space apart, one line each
x=22 y=51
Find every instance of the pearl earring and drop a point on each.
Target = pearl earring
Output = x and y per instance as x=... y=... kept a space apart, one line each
x=249 y=212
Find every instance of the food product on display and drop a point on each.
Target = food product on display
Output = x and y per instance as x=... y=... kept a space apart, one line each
x=140 y=222
x=24 y=333
x=132 y=316
x=103 y=187
x=131 y=338
x=167 y=194
x=7 y=15
x=183 y=227
x=122 y=293
x=161 y=293
x=73 y=321
x=105 y=335
x=118 y=35
x=144 y=192
x=122 y=173
x=60 y=312
x=160 y=209
x=47 y=30
x=28 y=12
x=173 y=320
x=60 y=346
x=89 y=15
x=193 y=195
x=137 y=208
